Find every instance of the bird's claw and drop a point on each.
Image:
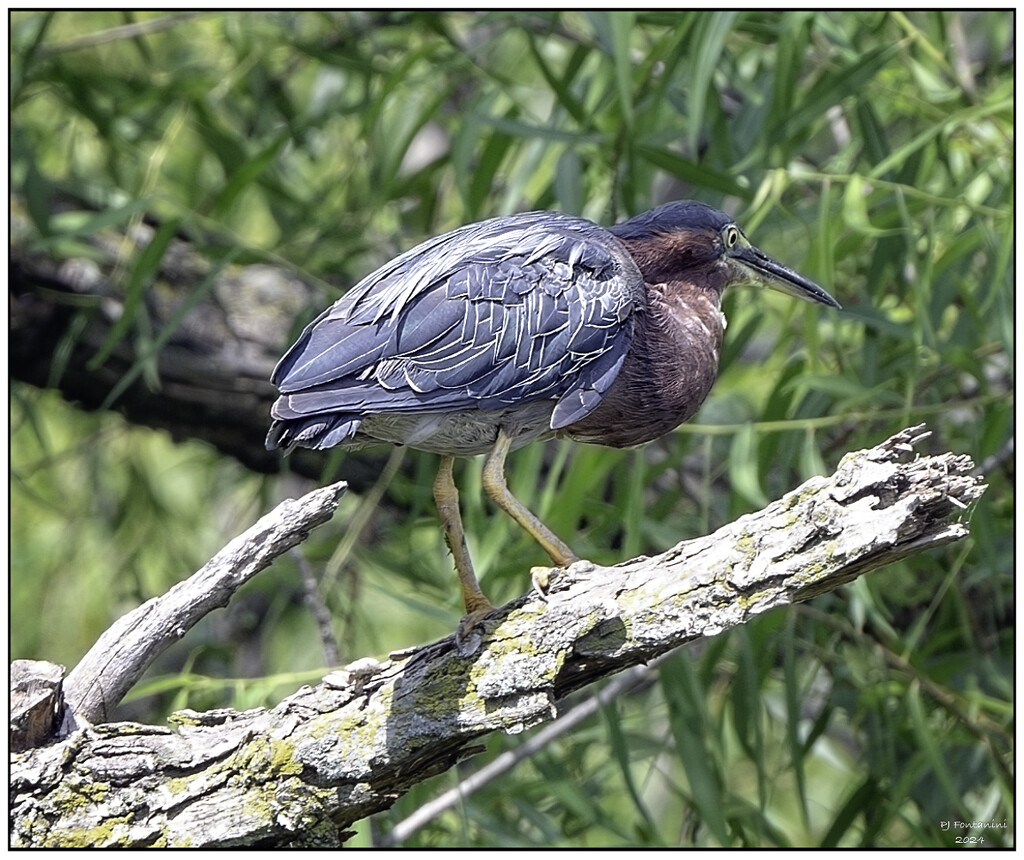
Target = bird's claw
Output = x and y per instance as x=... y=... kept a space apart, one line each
x=467 y=626
x=541 y=579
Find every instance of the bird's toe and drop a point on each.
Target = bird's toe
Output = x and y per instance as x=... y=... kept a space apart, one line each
x=469 y=633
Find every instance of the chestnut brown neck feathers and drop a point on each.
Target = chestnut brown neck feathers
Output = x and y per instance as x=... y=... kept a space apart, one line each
x=673 y=361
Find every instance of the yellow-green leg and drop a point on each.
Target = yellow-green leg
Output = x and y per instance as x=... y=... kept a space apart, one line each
x=447 y=498
x=496 y=487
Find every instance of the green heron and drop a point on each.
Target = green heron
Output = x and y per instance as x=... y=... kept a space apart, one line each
x=522 y=328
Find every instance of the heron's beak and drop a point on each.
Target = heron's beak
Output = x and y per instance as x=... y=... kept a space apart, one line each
x=772 y=274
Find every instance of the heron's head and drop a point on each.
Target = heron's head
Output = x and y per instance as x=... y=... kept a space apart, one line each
x=692 y=243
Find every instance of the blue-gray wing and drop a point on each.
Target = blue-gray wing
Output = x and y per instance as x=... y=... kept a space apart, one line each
x=529 y=307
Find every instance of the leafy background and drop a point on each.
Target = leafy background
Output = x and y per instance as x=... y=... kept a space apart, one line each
x=870 y=150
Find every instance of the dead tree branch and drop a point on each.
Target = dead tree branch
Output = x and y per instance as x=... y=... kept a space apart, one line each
x=304 y=771
x=100 y=681
x=191 y=354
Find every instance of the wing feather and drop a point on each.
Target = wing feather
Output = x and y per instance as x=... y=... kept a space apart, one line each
x=528 y=307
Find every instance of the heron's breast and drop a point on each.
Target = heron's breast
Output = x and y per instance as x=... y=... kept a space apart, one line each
x=668 y=372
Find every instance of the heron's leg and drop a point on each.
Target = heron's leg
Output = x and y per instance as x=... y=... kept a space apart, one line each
x=497 y=489
x=447 y=497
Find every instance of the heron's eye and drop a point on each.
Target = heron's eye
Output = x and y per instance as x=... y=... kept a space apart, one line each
x=731 y=236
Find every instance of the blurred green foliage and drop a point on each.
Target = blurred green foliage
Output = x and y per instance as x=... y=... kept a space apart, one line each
x=870 y=150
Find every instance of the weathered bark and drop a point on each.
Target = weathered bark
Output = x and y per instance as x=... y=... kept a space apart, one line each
x=37 y=703
x=304 y=771
x=113 y=665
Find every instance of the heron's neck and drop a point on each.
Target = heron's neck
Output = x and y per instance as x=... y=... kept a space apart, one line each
x=685 y=320
x=669 y=370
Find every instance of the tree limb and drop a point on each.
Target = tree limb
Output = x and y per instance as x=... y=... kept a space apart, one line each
x=121 y=655
x=190 y=353
x=304 y=771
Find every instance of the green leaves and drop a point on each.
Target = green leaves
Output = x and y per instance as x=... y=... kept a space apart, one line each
x=870 y=150
x=615 y=32
x=690 y=728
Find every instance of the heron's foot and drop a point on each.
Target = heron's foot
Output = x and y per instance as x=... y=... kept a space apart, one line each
x=541 y=579
x=541 y=576
x=467 y=636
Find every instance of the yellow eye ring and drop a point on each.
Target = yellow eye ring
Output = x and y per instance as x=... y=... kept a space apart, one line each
x=731 y=236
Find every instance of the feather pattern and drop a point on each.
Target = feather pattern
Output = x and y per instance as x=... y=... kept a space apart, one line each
x=537 y=307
